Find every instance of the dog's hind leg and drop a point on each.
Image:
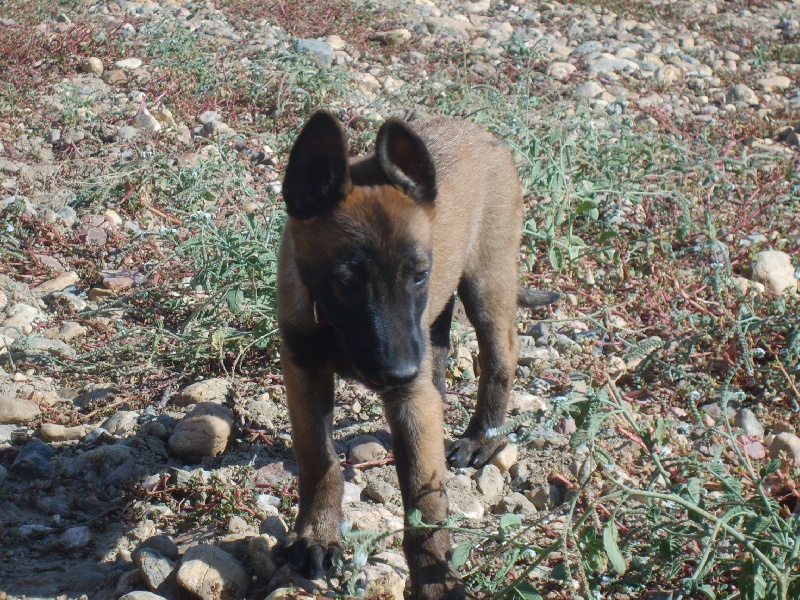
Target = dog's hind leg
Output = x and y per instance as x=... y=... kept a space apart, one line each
x=491 y=305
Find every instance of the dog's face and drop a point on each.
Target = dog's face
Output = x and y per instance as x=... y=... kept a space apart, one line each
x=364 y=243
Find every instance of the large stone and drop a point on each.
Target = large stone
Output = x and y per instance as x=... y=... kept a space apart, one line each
x=75 y=538
x=115 y=77
x=210 y=573
x=383 y=581
x=788 y=444
x=261 y=549
x=520 y=402
x=490 y=483
x=34 y=461
x=211 y=390
x=144 y=120
x=515 y=503
x=479 y=7
x=365 y=449
x=669 y=75
x=318 y=50
x=742 y=93
x=120 y=279
x=777 y=83
x=156 y=569
x=53 y=432
x=162 y=544
x=747 y=420
x=202 y=433
x=22 y=317
x=774 y=268
x=57 y=284
x=17 y=410
x=129 y=63
x=37 y=349
x=561 y=70
x=589 y=90
x=92 y=65
x=505 y=458
x=121 y=422
x=380 y=491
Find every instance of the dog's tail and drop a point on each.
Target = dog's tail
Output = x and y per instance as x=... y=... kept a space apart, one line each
x=530 y=298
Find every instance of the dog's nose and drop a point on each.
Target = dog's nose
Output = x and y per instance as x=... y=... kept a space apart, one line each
x=400 y=374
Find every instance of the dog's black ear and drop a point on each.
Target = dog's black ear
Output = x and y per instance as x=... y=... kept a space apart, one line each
x=404 y=158
x=317 y=176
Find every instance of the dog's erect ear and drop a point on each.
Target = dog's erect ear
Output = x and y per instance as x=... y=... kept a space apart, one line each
x=404 y=158
x=317 y=176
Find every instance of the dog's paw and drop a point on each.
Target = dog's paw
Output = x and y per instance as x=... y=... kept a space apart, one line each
x=473 y=452
x=311 y=558
x=450 y=589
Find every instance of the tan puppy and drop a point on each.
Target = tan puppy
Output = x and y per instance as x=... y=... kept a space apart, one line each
x=373 y=251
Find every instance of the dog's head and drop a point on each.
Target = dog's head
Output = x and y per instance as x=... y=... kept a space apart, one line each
x=363 y=236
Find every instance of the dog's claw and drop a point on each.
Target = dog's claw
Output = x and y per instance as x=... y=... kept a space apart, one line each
x=471 y=452
x=308 y=557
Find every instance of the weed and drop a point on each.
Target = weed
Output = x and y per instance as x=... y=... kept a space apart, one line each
x=202 y=500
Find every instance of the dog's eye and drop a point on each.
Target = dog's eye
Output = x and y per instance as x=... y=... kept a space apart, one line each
x=348 y=282
x=421 y=277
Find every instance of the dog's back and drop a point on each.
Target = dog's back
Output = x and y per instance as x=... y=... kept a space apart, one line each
x=478 y=216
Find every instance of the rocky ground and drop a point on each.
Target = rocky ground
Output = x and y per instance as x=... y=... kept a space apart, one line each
x=144 y=444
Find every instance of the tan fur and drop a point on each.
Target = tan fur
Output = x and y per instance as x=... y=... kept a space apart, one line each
x=474 y=229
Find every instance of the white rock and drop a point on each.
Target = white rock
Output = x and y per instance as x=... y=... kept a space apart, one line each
x=477 y=8
x=22 y=317
x=144 y=120
x=742 y=93
x=490 y=483
x=524 y=401
x=52 y=432
x=203 y=432
x=128 y=63
x=208 y=572
x=505 y=458
x=121 y=422
x=668 y=75
x=92 y=65
x=210 y=390
x=774 y=84
x=561 y=70
x=365 y=449
x=17 y=410
x=589 y=89
x=774 y=268
x=75 y=537
x=499 y=32
x=787 y=443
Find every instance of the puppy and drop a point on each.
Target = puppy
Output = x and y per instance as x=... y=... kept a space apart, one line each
x=372 y=254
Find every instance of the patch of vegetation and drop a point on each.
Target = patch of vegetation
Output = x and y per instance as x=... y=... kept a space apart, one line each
x=201 y=500
x=355 y=22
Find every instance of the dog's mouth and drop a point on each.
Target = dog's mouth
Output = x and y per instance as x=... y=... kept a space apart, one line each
x=375 y=386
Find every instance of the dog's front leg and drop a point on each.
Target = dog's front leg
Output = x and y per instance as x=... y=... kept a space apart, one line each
x=309 y=395
x=415 y=418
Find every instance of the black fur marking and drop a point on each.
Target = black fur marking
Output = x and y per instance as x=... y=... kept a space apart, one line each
x=404 y=158
x=317 y=176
